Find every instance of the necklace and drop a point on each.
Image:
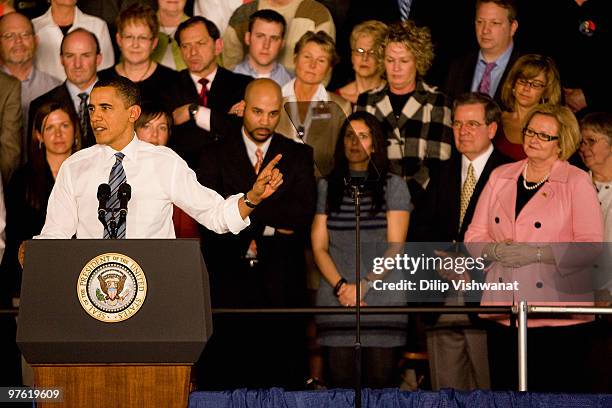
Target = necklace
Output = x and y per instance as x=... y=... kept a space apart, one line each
x=536 y=185
x=143 y=75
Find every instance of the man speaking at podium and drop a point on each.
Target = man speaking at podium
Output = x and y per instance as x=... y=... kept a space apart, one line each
x=158 y=178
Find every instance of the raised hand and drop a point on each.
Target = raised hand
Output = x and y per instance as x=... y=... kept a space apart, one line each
x=268 y=181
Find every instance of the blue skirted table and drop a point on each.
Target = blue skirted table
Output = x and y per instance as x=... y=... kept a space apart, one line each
x=392 y=398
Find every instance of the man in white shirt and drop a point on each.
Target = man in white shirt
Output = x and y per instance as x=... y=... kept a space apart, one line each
x=159 y=178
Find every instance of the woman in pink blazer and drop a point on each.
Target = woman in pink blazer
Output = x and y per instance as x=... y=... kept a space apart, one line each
x=526 y=207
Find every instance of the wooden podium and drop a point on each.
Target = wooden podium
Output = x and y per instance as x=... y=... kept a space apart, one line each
x=122 y=357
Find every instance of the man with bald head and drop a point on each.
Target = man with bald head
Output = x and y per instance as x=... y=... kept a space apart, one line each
x=263 y=266
x=80 y=56
x=17 y=49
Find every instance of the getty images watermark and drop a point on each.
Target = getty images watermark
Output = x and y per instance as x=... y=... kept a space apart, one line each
x=457 y=273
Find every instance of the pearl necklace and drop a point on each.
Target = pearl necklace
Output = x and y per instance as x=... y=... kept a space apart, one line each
x=536 y=185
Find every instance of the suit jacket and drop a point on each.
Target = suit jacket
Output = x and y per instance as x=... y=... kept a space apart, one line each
x=278 y=278
x=564 y=210
x=461 y=74
x=188 y=140
x=60 y=95
x=437 y=220
x=11 y=125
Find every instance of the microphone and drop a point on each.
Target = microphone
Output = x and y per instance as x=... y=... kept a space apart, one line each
x=124 y=194
x=104 y=193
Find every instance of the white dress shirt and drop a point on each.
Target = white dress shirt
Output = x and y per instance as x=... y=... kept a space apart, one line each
x=159 y=178
x=479 y=164
x=50 y=38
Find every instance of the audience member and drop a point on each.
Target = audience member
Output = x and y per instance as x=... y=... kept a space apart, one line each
x=263 y=266
x=63 y=17
x=315 y=55
x=457 y=344
x=156 y=170
x=55 y=137
x=137 y=37
x=17 y=50
x=264 y=39
x=80 y=56
x=367 y=62
x=416 y=117
x=533 y=79
x=170 y=14
x=10 y=131
x=524 y=212
x=301 y=16
x=217 y=11
x=596 y=153
x=485 y=70
x=154 y=125
x=360 y=152
x=202 y=84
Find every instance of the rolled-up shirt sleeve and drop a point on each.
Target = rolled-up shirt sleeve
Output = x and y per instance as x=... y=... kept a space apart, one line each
x=61 y=221
x=204 y=205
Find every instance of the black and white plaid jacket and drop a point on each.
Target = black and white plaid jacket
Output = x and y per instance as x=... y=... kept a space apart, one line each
x=420 y=137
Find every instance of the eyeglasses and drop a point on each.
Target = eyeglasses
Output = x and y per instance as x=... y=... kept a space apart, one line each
x=542 y=136
x=140 y=38
x=590 y=142
x=364 y=53
x=470 y=124
x=26 y=35
x=530 y=83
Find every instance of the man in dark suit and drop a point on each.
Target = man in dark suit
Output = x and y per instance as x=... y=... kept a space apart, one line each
x=484 y=71
x=457 y=348
x=80 y=56
x=202 y=84
x=259 y=352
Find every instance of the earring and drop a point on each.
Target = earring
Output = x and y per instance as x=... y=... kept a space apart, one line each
x=40 y=144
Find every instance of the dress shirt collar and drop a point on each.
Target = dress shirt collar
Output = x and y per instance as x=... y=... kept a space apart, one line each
x=31 y=75
x=211 y=77
x=75 y=91
x=478 y=163
x=501 y=61
x=130 y=151
x=251 y=147
x=289 y=93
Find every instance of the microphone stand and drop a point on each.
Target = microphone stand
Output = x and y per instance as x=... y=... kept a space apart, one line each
x=355 y=184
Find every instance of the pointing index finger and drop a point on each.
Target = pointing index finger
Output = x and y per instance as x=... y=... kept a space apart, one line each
x=274 y=162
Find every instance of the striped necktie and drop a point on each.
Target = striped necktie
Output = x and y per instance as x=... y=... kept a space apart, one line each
x=404 y=7
x=116 y=178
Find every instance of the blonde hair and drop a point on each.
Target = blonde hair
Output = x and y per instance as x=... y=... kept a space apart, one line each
x=569 y=131
x=322 y=39
x=375 y=29
x=416 y=39
x=528 y=67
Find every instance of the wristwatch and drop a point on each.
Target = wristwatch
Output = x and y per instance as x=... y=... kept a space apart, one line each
x=248 y=202
x=193 y=110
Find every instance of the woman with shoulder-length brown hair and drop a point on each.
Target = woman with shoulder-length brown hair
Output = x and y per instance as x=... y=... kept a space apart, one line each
x=55 y=137
x=526 y=217
x=532 y=80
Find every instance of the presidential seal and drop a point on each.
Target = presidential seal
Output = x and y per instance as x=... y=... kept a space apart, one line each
x=112 y=287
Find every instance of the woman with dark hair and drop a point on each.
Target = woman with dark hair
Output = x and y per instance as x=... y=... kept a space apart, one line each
x=385 y=204
x=55 y=137
x=154 y=126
